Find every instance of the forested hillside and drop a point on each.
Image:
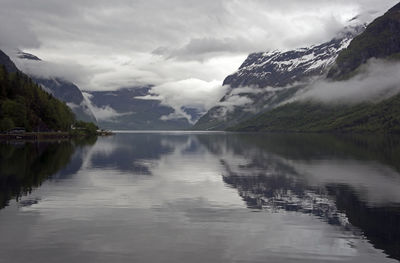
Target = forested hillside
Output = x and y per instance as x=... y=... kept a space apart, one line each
x=24 y=104
x=383 y=117
x=381 y=39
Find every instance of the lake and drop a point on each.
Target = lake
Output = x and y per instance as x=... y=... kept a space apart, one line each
x=201 y=197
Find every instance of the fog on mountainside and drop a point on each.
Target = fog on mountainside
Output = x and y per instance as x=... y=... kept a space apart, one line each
x=267 y=79
x=377 y=80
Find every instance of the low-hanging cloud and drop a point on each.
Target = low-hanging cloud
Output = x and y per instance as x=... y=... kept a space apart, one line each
x=69 y=71
x=243 y=97
x=236 y=98
x=189 y=93
x=255 y=89
x=235 y=101
x=377 y=80
x=105 y=113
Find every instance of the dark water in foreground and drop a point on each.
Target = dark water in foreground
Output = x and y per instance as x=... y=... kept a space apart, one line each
x=201 y=197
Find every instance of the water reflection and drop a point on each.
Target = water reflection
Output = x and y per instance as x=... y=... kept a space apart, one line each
x=25 y=166
x=202 y=197
x=345 y=180
x=129 y=152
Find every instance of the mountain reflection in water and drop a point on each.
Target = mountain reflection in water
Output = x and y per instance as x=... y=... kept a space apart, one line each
x=352 y=181
x=176 y=196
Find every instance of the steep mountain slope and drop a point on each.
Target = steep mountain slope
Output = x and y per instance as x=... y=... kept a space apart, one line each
x=7 y=63
x=63 y=90
x=380 y=40
x=125 y=109
x=382 y=117
x=266 y=79
x=24 y=104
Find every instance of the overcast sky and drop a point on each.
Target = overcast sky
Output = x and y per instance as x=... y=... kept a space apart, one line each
x=106 y=45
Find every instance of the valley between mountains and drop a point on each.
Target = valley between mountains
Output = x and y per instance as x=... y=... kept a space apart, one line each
x=347 y=84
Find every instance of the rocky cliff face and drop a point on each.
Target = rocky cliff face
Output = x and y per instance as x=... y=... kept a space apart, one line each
x=266 y=79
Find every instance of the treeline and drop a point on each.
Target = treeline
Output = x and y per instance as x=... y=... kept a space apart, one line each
x=23 y=103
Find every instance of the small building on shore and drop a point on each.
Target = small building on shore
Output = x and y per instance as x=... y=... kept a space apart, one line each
x=17 y=130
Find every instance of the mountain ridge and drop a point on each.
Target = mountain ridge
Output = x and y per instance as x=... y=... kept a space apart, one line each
x=381 y=39
x=269 y=78
x=311 y=115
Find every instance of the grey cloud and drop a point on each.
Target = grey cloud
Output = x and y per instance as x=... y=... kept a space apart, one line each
x=146 y=25
x=16 y=33
x=203 y=48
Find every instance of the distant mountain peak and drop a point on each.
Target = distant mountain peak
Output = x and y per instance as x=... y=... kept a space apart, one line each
x=23 y=55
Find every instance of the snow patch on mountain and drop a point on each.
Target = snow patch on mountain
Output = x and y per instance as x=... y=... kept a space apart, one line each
x=266 y=79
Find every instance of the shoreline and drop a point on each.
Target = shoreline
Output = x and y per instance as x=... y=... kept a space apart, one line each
x=39 y=136
x=36 y=136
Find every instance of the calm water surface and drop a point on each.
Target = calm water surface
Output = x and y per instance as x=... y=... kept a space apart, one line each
x=201 y=197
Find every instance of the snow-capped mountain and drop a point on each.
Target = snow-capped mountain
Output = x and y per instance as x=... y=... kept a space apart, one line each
x=61 y=89
x=267 y=79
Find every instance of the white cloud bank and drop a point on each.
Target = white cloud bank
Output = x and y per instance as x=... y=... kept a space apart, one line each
x=377 y=80
x=189 y=93
x=105 y=113
x=44 y=69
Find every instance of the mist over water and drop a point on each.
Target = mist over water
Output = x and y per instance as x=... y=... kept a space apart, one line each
x=202 y=197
